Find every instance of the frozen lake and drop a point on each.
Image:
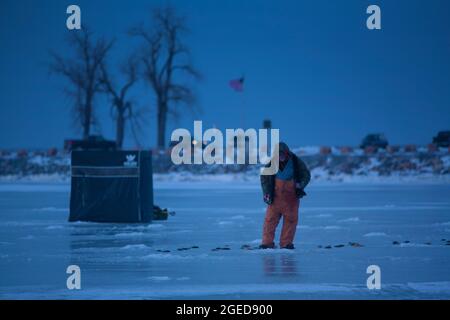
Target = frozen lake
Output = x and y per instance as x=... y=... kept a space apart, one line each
x=125 y=261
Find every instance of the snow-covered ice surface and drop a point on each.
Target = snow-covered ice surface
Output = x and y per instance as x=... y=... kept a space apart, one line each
x=122 y=261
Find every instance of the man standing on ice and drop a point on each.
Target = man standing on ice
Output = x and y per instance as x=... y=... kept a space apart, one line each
x=282 y=192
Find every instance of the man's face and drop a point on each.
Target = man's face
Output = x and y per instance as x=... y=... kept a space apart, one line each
x=283 y=156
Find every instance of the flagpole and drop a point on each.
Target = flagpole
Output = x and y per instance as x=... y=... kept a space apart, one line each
x=238 y=86
x=242 y=111
x=243 y=103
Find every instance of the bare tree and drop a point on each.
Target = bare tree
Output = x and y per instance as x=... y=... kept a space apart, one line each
x=82 y=71
x=166 y=59
x=122 y=108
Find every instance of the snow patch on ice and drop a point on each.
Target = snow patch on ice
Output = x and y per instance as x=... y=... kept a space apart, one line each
x=352 y=219
x=225 y=223
x=332 y=228
x=159 y=278
x=55 y=227
x=322 y=215
x=155 y=226
x=442 y=224
x=145 y=227
x=414 y=245
x=130 y=235
x=375 y=234
x=135 y=247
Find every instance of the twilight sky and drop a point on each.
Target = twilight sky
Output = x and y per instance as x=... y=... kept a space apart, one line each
x=312 y=67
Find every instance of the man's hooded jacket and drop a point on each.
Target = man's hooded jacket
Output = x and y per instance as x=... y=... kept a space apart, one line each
x=302 y=176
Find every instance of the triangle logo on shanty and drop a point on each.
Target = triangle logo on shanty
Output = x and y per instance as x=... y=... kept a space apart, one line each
x=130 y=160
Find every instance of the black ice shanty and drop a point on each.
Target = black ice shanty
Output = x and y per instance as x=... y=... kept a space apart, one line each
x=111 y=186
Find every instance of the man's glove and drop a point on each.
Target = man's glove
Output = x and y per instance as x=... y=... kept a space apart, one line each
x=268 y=199
x=300 y=192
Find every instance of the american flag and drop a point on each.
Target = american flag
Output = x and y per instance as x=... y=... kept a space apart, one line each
x=237 y=84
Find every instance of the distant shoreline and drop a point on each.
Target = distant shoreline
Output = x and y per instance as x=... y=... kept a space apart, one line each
x=327 y=165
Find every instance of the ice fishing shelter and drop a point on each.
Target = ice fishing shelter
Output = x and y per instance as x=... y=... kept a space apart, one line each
x=111 y=186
